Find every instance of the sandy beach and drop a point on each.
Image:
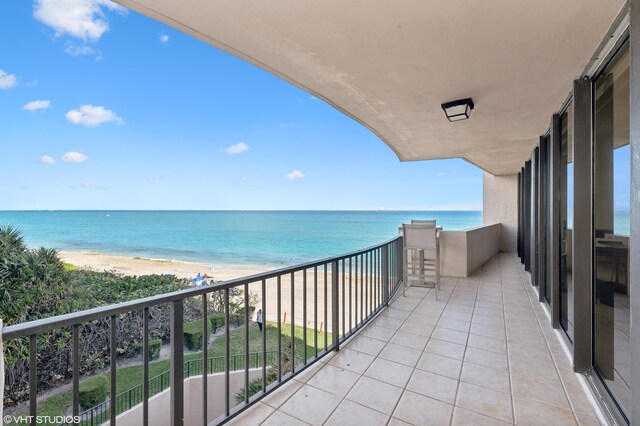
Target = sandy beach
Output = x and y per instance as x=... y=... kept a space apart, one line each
x=141 y=266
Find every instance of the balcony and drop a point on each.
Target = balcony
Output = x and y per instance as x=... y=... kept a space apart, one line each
x=482 y=353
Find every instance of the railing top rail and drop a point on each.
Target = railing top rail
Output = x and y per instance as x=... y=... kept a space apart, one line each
x=46 y=324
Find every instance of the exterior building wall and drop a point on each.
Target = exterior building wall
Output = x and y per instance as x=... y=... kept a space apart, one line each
x=500 y=205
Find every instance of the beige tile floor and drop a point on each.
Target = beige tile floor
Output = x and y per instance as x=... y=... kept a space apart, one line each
x=482 y=354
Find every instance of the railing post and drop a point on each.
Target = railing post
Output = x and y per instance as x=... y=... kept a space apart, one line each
x=177 y=363
x=400 y=260
x=385 y=274
x=335 y=303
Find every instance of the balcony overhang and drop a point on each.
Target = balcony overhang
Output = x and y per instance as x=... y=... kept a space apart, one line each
x=390 y=65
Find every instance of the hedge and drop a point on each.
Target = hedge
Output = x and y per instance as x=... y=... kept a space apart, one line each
x=154 y=348
x=216 y=321
x=240 y=314
x=93 y=391
x=193 y=335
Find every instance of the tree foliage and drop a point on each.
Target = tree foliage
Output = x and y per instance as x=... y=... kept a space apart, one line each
x=35 y=284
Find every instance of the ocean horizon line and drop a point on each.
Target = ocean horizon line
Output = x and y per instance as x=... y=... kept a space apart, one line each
x=242 y=210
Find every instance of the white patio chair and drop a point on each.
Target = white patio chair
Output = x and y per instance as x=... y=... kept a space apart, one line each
x=421 y=256
x=430 y=222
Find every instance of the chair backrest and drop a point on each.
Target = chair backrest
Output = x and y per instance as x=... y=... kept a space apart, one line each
x=419 y=236
x=430 y=222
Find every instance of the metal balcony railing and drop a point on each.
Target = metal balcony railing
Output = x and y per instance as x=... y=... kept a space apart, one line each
x=346 y=292
x=128 y=399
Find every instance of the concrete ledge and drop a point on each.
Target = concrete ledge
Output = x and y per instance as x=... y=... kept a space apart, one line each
x=464 y=251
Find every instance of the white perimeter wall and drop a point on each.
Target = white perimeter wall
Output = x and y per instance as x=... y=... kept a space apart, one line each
x=500 y=205
x=464 y=251
x=159 y=405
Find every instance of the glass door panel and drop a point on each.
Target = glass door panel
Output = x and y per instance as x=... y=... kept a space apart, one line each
x=611 y=207
x=566 y=222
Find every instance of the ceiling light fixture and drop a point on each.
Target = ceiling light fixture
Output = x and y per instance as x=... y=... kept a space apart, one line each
x=458 y=110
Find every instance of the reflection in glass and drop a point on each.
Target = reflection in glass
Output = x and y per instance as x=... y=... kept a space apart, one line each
x=611 y=192
x=566 y=221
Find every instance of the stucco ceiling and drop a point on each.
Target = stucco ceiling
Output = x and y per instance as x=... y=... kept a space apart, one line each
x=390 y=64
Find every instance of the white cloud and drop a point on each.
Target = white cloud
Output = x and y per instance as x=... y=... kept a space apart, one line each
x=243 y=179
x=295 y=174
x=7 y=81
x=36 y=105
x=74 y=157
x=237 y=148
x=91 y=116
x=155 y=181
x=93 y=185
x=45 y=159
x=74 y=49
x=287 y=125
x=163 y=38
x=84 y=19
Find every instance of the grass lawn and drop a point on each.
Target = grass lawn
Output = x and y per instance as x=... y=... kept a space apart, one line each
x=129 y=377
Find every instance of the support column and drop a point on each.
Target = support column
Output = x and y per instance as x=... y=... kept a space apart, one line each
x=582 y=226
x=553 y=244
x=500 y=205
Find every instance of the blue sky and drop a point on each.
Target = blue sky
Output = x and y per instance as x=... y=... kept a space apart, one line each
x=107 y=109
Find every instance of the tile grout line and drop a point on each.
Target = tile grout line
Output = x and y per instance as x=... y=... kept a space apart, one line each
x=504 y=316
x=455 y=399
x=414 y=368
x=553 y=358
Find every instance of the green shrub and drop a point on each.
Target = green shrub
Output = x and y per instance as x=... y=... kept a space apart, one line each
x=216 y=321
x=241 y=312
x=93 y=391
x=154 y=348
x=193 y=335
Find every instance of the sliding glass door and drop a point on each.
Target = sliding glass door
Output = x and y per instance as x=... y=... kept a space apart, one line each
x=611 y=215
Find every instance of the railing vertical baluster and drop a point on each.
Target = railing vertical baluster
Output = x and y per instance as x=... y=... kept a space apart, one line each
x=326 y=337
x=112 y=393
x=371 y=284
x=76 y=369
x=33 y=377
x=350 y=299
x=315 y=311
x=264 y=336
x=246 y=343
x=355 y=305
x=362 y=288
x=304 y=314
x=293 y=324
x=227 y=344
x=335 y=326
x=205 y=355
x=385 y=274
x=177 y=362
x=366 y=285
x=279 y=290
x=378 y=280
x=342 y=300
x=145 y=366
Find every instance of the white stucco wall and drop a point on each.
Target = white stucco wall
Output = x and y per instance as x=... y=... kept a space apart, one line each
x=464 y=251
x=500 y=205
x=159 y=405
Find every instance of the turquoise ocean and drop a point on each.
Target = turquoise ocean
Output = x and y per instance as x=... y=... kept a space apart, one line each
x=265 y=238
